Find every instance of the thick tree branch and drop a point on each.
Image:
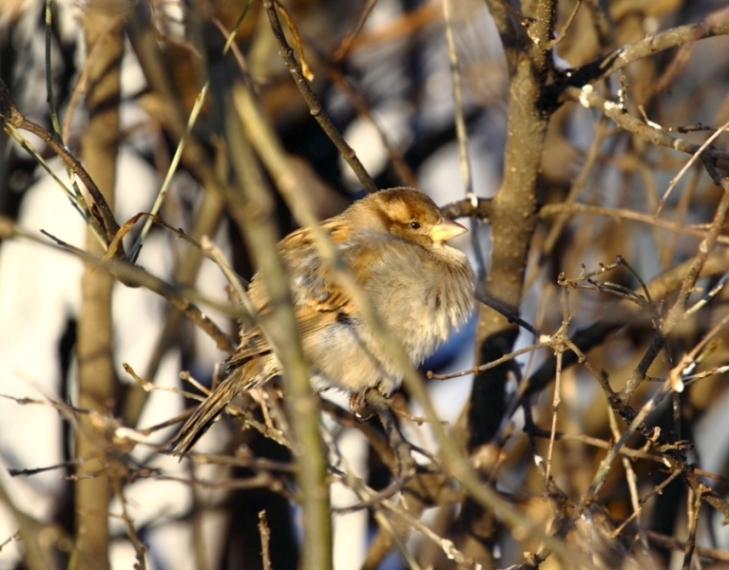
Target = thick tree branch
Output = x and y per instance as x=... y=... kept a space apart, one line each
x=96 y=375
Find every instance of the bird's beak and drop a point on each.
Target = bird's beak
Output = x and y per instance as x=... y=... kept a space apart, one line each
x=446 y=229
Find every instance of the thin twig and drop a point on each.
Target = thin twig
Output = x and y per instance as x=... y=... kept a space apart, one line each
x=559 y=347
x=677 y=311
x=136 y=248
x=265 y=532
x=482 y=367
x=688 y=164
x=12 y=116
x=656 y=491
x=462 y=134
x=49 y=71
x=563 y=32
x=715 y=24
x=287 y=54
x=630 y=478
x=672 y=543
x=342 y=50
x=587 y=96
x=694 y=499
x=182 y=298
x=81 y=84
x=139 y=547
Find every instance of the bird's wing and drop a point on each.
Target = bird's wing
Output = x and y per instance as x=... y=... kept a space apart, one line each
x=318 y=300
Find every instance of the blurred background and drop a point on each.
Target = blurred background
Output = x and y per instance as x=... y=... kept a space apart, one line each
x=381 y=72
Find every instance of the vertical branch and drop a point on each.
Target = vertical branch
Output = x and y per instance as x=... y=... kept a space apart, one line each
x=261 y=237
x=513 y=220
x=99 y=146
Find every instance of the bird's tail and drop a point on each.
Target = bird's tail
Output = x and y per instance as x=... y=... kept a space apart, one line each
x=206 y=413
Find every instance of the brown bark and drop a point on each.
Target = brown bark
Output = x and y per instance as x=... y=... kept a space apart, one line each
x=97 y=381
x=513 y=218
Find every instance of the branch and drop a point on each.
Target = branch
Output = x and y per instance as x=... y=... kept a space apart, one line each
x=287 y=54
x=97 y=381
x=588 y=97
x=11 y=115
x=281 y=327
x=180 y=296
x=716 y=24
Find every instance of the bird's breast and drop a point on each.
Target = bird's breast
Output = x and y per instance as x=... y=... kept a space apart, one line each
x=426 y=305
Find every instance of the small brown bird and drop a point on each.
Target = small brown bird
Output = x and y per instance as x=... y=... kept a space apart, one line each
x=394 y=243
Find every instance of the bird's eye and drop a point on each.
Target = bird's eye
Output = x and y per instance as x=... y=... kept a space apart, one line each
x=414 y=225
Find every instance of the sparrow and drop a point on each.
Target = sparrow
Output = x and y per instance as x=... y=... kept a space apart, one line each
x=394 y=243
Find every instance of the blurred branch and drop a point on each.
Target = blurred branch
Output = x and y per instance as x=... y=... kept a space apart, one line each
x=345 y=84
x=262 y=239
x=82 y=83
x=205 y=166
x=374 y=437
x=462 y=135
x=619 y=214
x=471 y=206
x=674 y=544
x=563 y=32
x=397 y=533
x=30 y=531
x=50 y=97
x=139 y=548
x=511 y=26
x=206 y=222
x=200 y=99
x=97 y=382
x=181 y=297
x=576 y=186
x=342 y=50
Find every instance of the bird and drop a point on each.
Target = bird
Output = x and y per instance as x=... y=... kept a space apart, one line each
x=394 y=243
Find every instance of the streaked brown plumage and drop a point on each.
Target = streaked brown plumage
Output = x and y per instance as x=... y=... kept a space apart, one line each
x=394 y=243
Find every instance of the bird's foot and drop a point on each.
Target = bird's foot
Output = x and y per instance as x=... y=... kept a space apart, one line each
x=360 y=408
x=377 y=403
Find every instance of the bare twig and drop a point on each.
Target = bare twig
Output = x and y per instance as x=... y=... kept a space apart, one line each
x=716 y=24
x=139 y=548
x=688 y=164
x=314 y=106
x=182 y=298
x=589 y=97
x=461 y=134
x=671 y=542
x=12 y=117
x=563 y=32
x=342 y=50
x=265 y=532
